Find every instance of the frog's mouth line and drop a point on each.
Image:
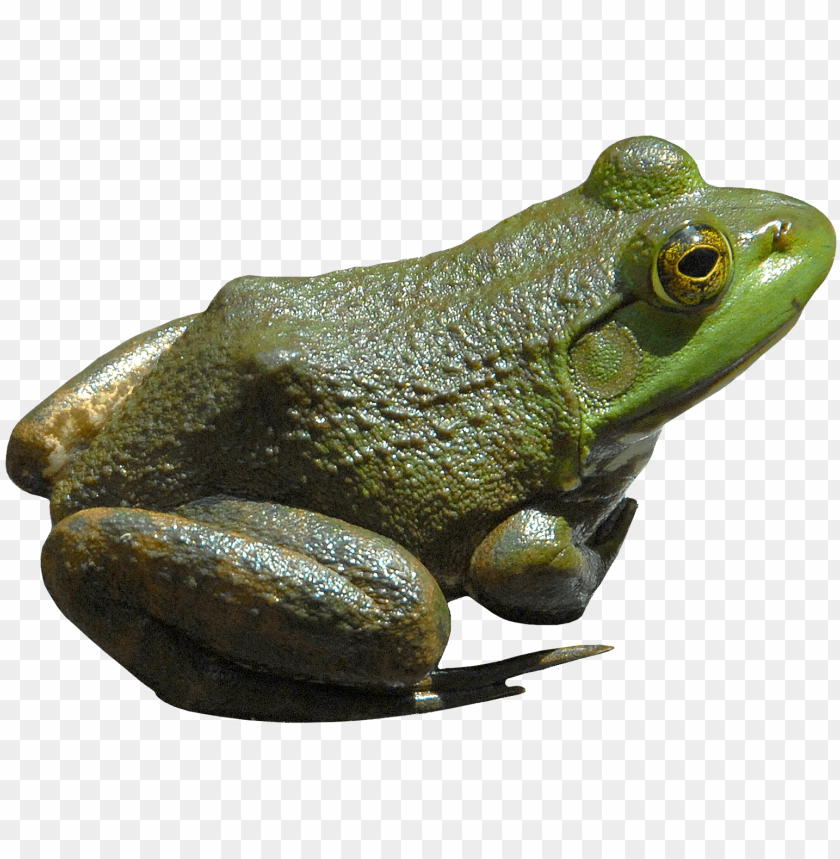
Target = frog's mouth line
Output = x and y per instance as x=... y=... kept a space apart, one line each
x=655 y=417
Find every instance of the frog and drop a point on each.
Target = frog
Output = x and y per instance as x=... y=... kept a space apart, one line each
x=263 y=510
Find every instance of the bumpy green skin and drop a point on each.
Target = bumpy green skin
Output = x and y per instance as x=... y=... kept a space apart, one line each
x=485 y=407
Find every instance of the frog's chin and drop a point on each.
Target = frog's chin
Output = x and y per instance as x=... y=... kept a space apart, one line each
x=653 y=419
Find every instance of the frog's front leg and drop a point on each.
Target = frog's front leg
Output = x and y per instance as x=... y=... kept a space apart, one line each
x=531 y=569
x=255 y=610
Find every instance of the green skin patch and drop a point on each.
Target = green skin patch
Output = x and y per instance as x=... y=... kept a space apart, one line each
x=261 y=510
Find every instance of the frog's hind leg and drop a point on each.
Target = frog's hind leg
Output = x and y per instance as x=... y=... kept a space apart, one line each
x=253 y=610
x=47 y=440
x=248 y=609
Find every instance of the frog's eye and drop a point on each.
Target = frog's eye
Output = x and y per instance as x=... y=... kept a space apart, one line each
x=693 y=266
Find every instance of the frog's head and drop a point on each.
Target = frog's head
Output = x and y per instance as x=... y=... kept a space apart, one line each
x=706 y=280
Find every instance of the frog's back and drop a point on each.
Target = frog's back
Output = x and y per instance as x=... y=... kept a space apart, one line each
x=543 y=252
x=368 y=392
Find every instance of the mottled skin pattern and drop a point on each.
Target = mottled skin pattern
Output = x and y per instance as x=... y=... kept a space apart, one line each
x=403 y=422
x=485 y=408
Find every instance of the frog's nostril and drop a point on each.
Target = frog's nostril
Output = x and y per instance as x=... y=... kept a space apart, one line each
x=781 y=235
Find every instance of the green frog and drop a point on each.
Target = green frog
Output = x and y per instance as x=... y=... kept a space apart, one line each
x=262 y=510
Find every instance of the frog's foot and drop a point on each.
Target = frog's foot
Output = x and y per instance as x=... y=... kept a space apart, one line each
x=455 y=687
x=191 y=677
x=208 y=684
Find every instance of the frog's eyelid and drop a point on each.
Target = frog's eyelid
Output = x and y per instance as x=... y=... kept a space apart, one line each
x=657 y=231
x=660 y=290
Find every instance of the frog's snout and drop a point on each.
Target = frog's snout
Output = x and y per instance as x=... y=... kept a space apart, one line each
x=810 y=232
x=795 y=250
x=815 y=244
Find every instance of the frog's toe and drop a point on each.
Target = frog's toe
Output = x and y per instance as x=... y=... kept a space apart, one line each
x=487 y=681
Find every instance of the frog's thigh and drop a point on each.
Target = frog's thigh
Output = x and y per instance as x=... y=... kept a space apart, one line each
x=47 y=440
x=269 y=587
x=530 y=569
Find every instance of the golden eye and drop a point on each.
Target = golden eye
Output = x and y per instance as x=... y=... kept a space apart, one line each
x=693 y=266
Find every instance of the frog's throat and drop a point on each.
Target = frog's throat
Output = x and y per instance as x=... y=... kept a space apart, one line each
x=656 y=417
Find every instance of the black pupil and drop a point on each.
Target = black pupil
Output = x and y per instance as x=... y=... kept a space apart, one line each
x=698 y=263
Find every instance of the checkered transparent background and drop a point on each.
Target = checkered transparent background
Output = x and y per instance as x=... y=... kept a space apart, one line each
x=153 y=151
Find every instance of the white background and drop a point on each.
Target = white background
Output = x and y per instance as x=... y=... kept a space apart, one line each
x=153 y=151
